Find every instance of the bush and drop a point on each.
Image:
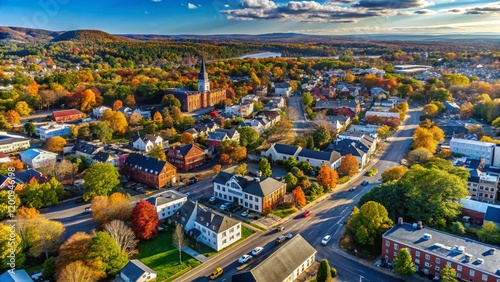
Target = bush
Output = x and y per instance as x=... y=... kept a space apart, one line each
x=344 y=179
x=333 y=272
x=372 y=172
x=287 y=205
x=255 y=218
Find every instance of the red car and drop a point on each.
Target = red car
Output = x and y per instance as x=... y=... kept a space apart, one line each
x=307 y=214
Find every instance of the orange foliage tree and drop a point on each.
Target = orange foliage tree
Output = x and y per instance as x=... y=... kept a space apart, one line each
x=129 y=100
x=225 y=159
x=299 y=196
x=55 y=144
x=187 y=138
x=117 y=104
x=13 y=117
x=327 y=177
x=16 y=164
x=348 y=165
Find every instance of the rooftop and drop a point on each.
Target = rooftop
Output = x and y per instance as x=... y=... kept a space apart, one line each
x=260 y=187
x=165 y=197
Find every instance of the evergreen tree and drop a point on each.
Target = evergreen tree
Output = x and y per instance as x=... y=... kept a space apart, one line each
x=324 y=273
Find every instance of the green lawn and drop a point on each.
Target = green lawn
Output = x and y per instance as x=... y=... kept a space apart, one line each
x=246 y=232
x=284 y=212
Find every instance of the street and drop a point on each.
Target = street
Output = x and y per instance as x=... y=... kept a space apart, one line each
x=301 y=124
x=72 y=215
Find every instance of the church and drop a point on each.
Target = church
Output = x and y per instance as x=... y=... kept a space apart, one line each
x=204 y=97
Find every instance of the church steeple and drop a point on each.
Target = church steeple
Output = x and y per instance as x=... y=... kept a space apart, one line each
x=203 y=82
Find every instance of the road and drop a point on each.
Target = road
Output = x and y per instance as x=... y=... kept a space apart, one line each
x=327 y=219
x=301 y=124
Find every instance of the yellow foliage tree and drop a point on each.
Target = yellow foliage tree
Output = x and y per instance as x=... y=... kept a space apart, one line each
x=32 y=89
x=424 y=138
x=23 y=108
x=129 y=100
x=116 y=120
x=13 y=117
x=157 y=117
x=55 y=144
x=88 y=100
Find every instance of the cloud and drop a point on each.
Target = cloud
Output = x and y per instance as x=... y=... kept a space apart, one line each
x=424 y=12
x=226 y=5
x=493 y=8
x=156 y=1
x=341 y=1
x=392 y=4
x=192 y=6
x=300 y=11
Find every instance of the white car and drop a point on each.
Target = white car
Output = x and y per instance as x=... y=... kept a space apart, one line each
x=289 y=236
x=257 y=251
x=244 y=213
x=325 y=240
x=244 y=259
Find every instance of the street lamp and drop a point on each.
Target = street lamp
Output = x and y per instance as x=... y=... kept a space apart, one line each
x=360 y=278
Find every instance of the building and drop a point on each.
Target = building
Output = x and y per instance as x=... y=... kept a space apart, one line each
x=411 y=69
x=351 y=147
x=29 y=176
x=35 y=158
x=473 y=149
x=338 y=122
x=281 y=152
x=136 y=271
x=474 y=211
x=52 y=129
x=242 y=110
x=167 y=203
x=204 y=97
x=284 y=265
x=368 y=129
x=87 y=150
x=147 y=142
x=431 y=250
x=253 y=193
x=67 y=115
x=214 y=230
x=250 y=98
x=283 y=89
x=105 y=157
x=99 y=111
x=483 y=185
x=215 y=138
x=186 y=157
x=368 y=142
x=149 y=171
x=13 y=143
x=18 y=275
x=260 y=91
x=492 y=215
x=320 y=158
x=4 y=158
x=348 y=108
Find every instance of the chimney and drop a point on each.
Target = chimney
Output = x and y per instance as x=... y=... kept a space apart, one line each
x=420 y=226
x=400 y=221
x=492 y=251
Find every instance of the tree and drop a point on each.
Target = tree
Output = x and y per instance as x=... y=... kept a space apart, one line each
x=241 y=169
x=419 y=156
x=37 y=195
x=496 y=122
x=248 y=136
x=64 y=170
x=123 y=236
x=115 y=207
x=448 y=274
x=3 y=122
x=23 y=109
x=290 y=180
x=290 y=163
x=239 y=154
x=489 y=233
x=105 y=255
x=216 y=169
x=265 y=168
x=158 y=153
x=321 y=137
x=425 y=138
x=49 y=267
x=16 y=164
x=13 y=117
x=324 y=273
x=384 y=131
x=457 y=228
x=394 y=173
x=77 y=271
x=179 y=241
x=73 y=249
x=327 y=177
x=348 y=165
x=187 y=138
x=55 y=144
x=299 y=196
x=117 y=105
x=102 y=131
x=225 y=159
x=100 y=179
x=349 y=78
x=116 y=120
x=129 y=100
x=134 y=119
x=144 y=221
x=169 y=101
x=48 y=237
x=10 y=244
x=307 y=99
x=369 y=223
x=403 y=263
x=29 y=128
x=431 y=109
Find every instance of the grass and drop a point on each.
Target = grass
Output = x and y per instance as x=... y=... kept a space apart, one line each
x=246 y=232
x=283 y=211
x=343 y=179
x=371 y=172
x=256 y=226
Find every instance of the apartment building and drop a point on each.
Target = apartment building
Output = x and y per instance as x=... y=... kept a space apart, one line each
x=52 y=129
x=473 y=149
x=13 y=143
x=167 y=203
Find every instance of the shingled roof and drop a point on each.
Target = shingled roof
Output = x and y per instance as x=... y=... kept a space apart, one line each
x=217 y=223
x=148 y=164
x=134 y=269
x=255 y=186
x=328 y=156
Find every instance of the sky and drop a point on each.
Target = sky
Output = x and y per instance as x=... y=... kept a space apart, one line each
x=323 y=17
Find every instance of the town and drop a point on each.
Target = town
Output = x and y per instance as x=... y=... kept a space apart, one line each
x=347 y=168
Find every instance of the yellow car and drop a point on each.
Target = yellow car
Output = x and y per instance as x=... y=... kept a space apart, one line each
x=217 y=272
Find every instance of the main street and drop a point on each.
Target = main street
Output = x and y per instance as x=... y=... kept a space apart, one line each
x=328 y=218
x=300 y=123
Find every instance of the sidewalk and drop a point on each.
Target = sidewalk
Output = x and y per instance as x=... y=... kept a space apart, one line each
x=194 y=254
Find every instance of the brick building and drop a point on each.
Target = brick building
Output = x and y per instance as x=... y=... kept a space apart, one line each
x=67 y=115
x=149 y=171
x=186 y=157
x=431 y=250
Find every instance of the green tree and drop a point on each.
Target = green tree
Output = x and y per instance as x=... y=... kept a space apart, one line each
x=265 y=168
x=105 y=254
x=169 y=101
x=403 y=263
x=4 y=203
x=102 y=131
x=29 y=128
x=489 y=233
x=394 y=173
x=248 y=136
x=100 y=180
x=290 y=163
x=448 y=274
x=158 y=153
x=49 y=267
x=457 y=228
x=384 y=131
x=241 y=169
x=307 y=99
x=290 y=180
x=368 y=225
x=321 y=137
x=324 y=273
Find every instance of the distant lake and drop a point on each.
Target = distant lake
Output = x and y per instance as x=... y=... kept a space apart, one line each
x=261 y=55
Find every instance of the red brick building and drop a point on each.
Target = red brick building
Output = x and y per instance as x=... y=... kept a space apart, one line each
x=348 y=108
x=186 y=157
x=149 y=171
x=431 y=250
x=67 y=115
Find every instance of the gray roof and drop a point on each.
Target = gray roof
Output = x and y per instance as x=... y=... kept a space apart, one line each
x=493 y=214
x=282 y=85
x=19 y=275
x=4 y=139
x=286 y=149
x=101 y=157
x=86 y=148
x=216 y=135
x=406 y=234
x=336 y=104
x=165 y=197
x=184 y=213
x=280 y=264
x=134 y=269
x=260 y=188
x=27 y=175
x=148 y=164
x=217 y=223
x=347 y=146
x=327 y=156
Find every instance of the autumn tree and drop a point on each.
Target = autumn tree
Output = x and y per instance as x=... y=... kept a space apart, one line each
x=431 y=109
x=265 y=167
x=157 y=117
x=384 y=131
x=239 y=154
x=115 y=207
x=448 y=274
x=73 y=249
x=55 y=144
x=225 y=159
x=327 y=177
x=348 y=165
x=36 y=195
x=16 y=164
x=489 y=233
x=424 y=138
x=248 y=136
x=10 y=244
x=129 y=100
x=187 y=138
x=157 y=152
x=23 y=109
x=117 y=105
x=77 y=271
x=403 y=263
x=48 y=237
x=32 y=88
x=116 y=120
x=241 y=170
x=100 y=180
x=144 y=221
x=123 y=236
x=394 y=173
x=135 y=119
x=13 y=117
x=419 y=156
x=369 y=223
x=105 y=255
x=299 y=196
x=321 y=137
x=179 y=240
x=216 y=169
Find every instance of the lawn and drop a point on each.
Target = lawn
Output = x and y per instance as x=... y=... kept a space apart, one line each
x=283 y=212
x=246 y=232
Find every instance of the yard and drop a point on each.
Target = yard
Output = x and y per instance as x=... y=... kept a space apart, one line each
x=246 y=232
x=284 y=211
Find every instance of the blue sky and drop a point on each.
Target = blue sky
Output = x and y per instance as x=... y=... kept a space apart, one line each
x=334 y=17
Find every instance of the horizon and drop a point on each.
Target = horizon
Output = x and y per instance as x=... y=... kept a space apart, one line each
x=259 y=17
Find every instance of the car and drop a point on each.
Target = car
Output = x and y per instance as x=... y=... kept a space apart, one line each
x=216 y=273
x=244 y=259
x=237 y=209
x=88 y=209
x=352 y=189
x=280 y=228
x=223 y=207
x=280 y=239
x=244 y=213
x=213 y=200
x=307 y=214
x=257 y=251
x=325 y=240
x=289 y=236
x=364 y=183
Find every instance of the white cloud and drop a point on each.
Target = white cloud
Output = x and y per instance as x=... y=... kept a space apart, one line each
x=192 y=6
x=226 y=5
x=156 y=1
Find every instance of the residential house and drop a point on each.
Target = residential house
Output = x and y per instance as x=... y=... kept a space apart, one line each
x=167 y=203
x=186 y=157
x=382 y=114
x=4 y=158
x=147 y=142
x=260 y=91
x=275 y=103
x=285 y=264
x=52 y=129
x=483 y=185
x=348 y=108
x=136 y=271
x=320 y=158
x=8 y=87
x=35 y=158
x=473 y=149
x=145 y=114
x=258 y=125
x=369 y=142
x=451 y=107
x=16 y=275
x=13 y=143
x=253 y=193
x=214 y=230
x=241 y=110
x=6 y=181
x=250 y=98
x=432 y=250
x=474 y=211
x=29 y=176
x=396 y=100
x=205 y=128
x=99 y=111
x=273 y=116
x=67 y=115
x=355 y=148
x=368 y=129
x=338 y=123
x=384 y=103
x=282 y=152
x=87 y=150
x=283 y=89
x=492 y=215
x=193 y=132
x=377 y=91
x=149 y=171
x=215 y=138
x=105 y=157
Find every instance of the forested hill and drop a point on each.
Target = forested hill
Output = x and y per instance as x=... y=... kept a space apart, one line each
x=89 y=35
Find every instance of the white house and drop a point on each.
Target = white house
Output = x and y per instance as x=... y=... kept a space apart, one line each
x=338 y=122
x=53 y=129
x=167 y=203
x=473 y=149
x=13 y=143
x=147 y=142
x=254 y=124
x=368 y=129
x=356 y=148
x=382 y=114
x=275 y=103
x=320 y=158
x=144 y=114
x=283 y=89
x=136 y=271
x=105 y=157
x=243 y=109
x=281 y=152
x=35 y=158
x=99 y=111
x=250 y=98
x=367 y=141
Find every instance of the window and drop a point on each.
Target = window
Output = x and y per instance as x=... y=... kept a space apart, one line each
x=471 y=273
x=484 y=277
x=386 y=251
x=417 y=261
x=437 y=268
x=460 y=275
x=427 y=257
x=459 y=268
x=448 y=263
x=396 y=247
x=246 y=196
x=438 y=260
x=387 y=243
x=417 y=253
x=395 y=254
x=427 y=264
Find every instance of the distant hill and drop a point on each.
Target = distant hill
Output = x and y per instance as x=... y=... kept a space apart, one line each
x=89 y=35
x=21 y=34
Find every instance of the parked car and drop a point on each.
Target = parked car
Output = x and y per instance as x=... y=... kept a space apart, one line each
x=364 y=183
x=216 y=273
x=244 y=213
x=237 y=209
x=257 y=251
x=88 y=209
x=325 y=240
x=213 y=200
x=280 y=239
x=352 y=189
x=280 y=228
x=244 y=259
x=223 y=207
x=289 y=236
x=307 y=214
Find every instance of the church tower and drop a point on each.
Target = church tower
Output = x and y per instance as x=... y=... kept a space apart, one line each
x=203 y=83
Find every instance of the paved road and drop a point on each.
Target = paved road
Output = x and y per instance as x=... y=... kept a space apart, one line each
x=301 y=124
x=73 y=216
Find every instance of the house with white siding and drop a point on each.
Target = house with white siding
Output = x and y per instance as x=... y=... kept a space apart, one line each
x=35 y=158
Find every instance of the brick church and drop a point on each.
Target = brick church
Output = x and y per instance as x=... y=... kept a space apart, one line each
x=204 y=97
